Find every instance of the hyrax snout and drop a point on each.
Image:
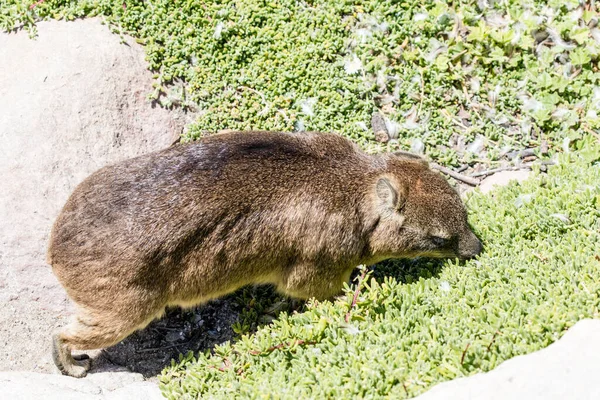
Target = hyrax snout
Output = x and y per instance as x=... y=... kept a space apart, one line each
x=196 y=221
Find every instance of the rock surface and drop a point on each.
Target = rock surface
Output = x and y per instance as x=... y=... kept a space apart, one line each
x=102 y=386
x=567 y=369
x=502 y=179
x=71 y=101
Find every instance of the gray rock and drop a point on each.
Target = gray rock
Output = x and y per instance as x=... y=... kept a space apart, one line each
x=477 y=146
x=417 y=146
x=32 y=385
x=139 y=390
x=502 y=179
x=567 y=369
x=379 y=128
x=71 y=101
x=113 y=380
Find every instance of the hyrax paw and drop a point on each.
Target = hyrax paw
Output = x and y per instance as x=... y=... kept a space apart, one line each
x=77 y=371
x=86 y=363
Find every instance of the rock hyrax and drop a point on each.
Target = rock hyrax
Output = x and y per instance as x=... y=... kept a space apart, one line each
x=196 y=221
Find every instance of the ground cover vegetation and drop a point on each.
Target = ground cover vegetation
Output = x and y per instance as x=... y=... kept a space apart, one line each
x=475 y=86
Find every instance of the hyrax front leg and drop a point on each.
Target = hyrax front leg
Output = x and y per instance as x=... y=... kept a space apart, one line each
x=307 y=280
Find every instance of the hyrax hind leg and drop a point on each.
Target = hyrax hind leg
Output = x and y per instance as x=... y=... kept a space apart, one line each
x=89 y=331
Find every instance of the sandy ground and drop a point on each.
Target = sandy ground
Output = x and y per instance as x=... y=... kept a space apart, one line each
x=71 y=101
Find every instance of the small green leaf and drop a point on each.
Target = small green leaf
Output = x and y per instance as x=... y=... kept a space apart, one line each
x=580 y=34
x=477 y=33
x=503 y=37
x=580 y=56
x=544 y=80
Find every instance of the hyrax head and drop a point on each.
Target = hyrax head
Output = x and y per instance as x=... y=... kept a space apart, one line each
x=420 y=214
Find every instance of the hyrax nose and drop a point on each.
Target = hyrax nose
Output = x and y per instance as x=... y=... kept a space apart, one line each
x=470 y=247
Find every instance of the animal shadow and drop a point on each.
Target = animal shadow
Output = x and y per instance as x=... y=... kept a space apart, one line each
x=151 y=349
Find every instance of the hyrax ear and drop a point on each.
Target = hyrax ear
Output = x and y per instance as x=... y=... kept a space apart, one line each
x=390 y=196
x=405 y=155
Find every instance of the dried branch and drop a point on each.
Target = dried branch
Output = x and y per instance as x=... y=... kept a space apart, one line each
x=459 y=177
x=462 y=358
x=496 y=170
x=492 y=341
x=154 y=349
x=510 y=168
x=356 y=293
x=281 y=346
x=591 y=131
x=37 y=3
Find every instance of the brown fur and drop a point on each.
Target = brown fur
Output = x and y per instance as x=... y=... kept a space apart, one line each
x=200 y=220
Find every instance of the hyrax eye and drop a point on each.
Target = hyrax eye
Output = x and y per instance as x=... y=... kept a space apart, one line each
x=439 y=241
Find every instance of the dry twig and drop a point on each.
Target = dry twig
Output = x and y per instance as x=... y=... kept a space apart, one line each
x=509 y=168
x=459 y=177
x=492 y=341
x=281 y=346
x=462 y=358
x=356 y=293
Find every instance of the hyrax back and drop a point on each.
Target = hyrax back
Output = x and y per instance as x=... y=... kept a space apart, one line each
x=197 y=221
